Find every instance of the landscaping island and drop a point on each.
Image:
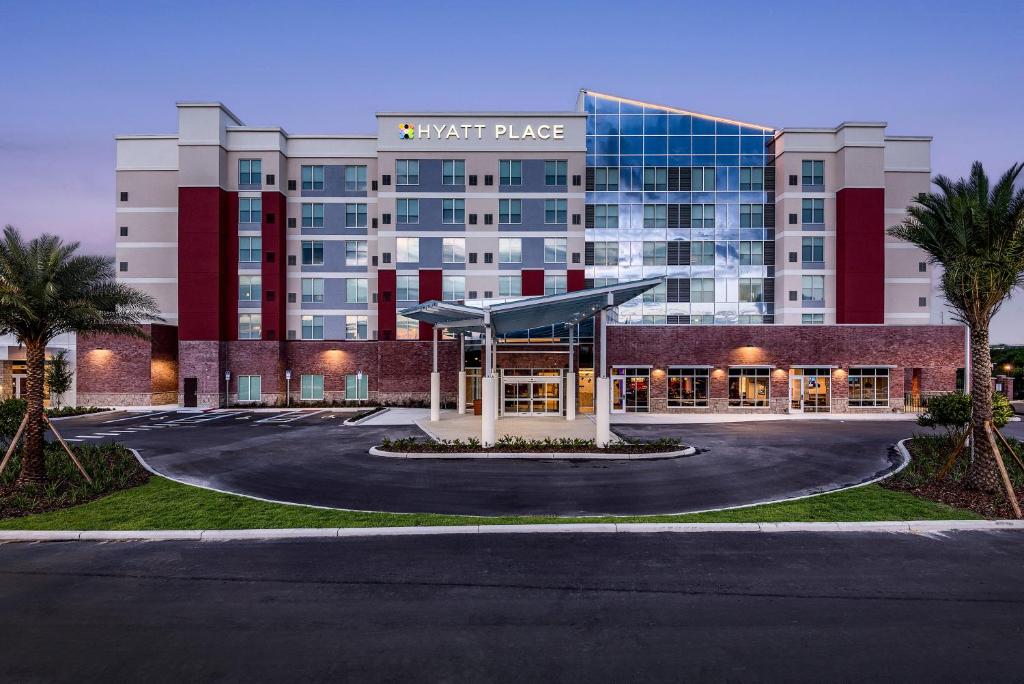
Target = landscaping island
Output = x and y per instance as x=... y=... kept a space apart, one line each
x=519 y=447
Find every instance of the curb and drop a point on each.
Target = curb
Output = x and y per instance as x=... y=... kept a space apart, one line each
x=360 y=421
x=918 y=527
x=554 y=455
x=82 y=415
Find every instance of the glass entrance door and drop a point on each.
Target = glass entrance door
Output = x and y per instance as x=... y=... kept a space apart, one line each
x=531 y=395
x=809 y=390
x=631 y=389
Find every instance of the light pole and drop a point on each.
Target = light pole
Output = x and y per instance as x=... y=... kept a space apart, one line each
x=227 y=388
x=288 y=388
x=359 y=385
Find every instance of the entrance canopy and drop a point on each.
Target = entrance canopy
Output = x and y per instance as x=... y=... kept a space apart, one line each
x=534 y=312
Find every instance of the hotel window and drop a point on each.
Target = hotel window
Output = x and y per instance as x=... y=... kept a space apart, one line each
x=751 y=253
x=407 y=328
x=812 y=319
x=655 y=253
x=555 y=211
x=356 y=387
x=869 y=387
x=554 y=250
x=510 y=211
x=355 y=178
x=356 y=327
x=249 y=326
x=656 y=295
x=249 y=209
x=312 y=215
x=407 y=172
x=249 y=288
x=606 y=216
x=702 y=178
x=751 y=290
x=510 y=251
x=606 y=253
x=813 y=250
x=311 y=387
x=702 y=290
x=604 y=282
x=749 y=387
x=655 y=216
x=813 y=211
x=702 y=253
x=702 y=319
x=355 y=253
x=408 y=249
x=250 y=172
x=813 y=172
x=312 y=327
x=655 y=179
x=453 y=288
x=751 y=178
x=750 y=319
x=554 y=284
x=751 y=215
x=312 y=178
x=702 y=216
x=453 y=172
x=606 y=178
x=249 y=388
x=356 y=290
x=510 y=172
x=453 y=211
x=407 y=288
x=312 y=290
x=312 y=253
x=250 y=250
x=555 y=172
x=355 y=215
x=688 y=387
x=453 y=251
x=408 y=211
x=510 y=286
x=813 y=288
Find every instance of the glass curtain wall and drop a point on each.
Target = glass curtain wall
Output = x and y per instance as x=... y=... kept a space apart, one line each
x=686 y=196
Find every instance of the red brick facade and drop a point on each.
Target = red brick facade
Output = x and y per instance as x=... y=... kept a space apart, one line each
x=115 y=370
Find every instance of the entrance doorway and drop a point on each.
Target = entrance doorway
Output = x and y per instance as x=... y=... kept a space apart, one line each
x=191 y=387
x=810 y=390
x=631 y=390
x=585 y=390
x=19 y=385
x=531 y=392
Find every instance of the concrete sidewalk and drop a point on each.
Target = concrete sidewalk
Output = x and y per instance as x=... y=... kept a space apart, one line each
x=706 y=418
x=455 y=426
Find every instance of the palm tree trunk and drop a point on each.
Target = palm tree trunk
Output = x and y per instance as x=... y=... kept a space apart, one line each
x=983 y=473
x=33 y=466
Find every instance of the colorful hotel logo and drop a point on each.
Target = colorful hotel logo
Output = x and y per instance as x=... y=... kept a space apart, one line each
x=406 y=131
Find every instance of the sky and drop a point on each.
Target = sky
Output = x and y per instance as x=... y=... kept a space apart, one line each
x=73 y=75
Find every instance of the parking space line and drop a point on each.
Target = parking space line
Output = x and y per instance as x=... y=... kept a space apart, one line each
x=150 y=416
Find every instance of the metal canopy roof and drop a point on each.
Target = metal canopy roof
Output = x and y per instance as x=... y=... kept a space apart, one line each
x=534 y=312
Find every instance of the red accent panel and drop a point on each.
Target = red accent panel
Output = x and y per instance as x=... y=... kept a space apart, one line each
x=229 y=268
x=387 y=293
x=203 y=246
x=574 y=280
x=273 y=269
x=860 y=255
x=430 y=288
x=533 y=282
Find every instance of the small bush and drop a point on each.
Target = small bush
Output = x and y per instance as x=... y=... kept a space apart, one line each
x=952 y=413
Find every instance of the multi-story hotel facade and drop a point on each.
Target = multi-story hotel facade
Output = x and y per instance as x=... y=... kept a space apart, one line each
x=281 y=263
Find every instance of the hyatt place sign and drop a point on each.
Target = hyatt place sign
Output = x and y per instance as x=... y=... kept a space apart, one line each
x=408 y=131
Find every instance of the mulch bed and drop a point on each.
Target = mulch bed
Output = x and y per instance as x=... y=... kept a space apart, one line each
x=956 y=495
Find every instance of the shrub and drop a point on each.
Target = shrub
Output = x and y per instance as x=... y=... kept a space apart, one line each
x=950 y=412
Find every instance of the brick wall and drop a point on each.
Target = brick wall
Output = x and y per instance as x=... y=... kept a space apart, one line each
x=117 y=370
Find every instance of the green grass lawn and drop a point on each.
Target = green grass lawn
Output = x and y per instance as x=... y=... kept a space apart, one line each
x=161 y=504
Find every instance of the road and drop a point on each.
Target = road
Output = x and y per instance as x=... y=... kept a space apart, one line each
x=311 y=458
x=517 y=608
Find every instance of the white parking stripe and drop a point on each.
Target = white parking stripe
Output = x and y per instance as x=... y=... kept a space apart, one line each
x=136 y=416
x=108 y=434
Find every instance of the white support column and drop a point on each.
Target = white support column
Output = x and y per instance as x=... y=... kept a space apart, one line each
x=435 y=387
x=603 y=389
x=488 y=393
x=570 y=382
x=462 y=375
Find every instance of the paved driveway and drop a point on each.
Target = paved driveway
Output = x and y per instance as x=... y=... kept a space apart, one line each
x=311 y=458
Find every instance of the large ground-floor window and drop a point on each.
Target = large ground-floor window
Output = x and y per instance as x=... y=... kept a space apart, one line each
x=869 y=387
x=688 y=386
x=749 y=387
x=631 y=389
x=249 y=387
x=357 y=387
x=312 y=387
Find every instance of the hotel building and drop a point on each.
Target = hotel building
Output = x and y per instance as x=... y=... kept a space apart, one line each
x=281 y=262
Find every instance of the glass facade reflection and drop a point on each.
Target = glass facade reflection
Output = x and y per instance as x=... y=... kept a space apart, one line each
x=681 y=195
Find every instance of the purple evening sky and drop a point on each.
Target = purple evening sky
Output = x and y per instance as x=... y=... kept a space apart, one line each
x=72 y=75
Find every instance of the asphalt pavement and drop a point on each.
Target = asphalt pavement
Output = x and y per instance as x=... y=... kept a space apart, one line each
x=518 y=608
x=310 y=457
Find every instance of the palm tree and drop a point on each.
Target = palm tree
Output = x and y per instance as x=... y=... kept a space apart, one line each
x=975 y=231
x=46 y=289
